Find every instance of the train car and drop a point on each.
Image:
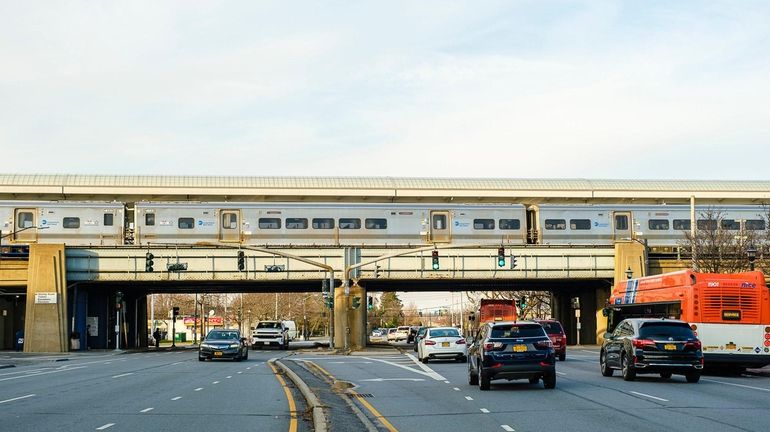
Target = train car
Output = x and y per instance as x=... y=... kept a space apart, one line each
x=77 y=223
x=328 y=224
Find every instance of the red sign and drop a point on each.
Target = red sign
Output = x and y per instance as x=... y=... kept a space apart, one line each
x=213 y=320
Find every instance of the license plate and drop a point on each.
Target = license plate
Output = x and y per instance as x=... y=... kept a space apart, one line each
x=217 y=353
x=669 y=347
x=730 y=346
x=445 y=344
x=519 y=348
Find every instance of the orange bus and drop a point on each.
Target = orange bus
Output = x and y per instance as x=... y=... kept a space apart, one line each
x=730 y=313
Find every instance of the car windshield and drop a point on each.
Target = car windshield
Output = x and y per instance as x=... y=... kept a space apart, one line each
x=444 y=333
x=662 y=330
x=517 y=331
x=220 y=335
x=269 y=325
x=551 y=327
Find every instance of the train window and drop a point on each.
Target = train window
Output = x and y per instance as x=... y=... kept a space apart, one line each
x=186 y=223
x=323 y=223
x=439 y=222
x=658 y=224
x=149 y=219
x=621 y=222
x=375 y=223
x=484 y=224
x=755 y=224
x=269 y=223
x=350 y=223
x=555 y=224
x=71 y=222
x=25 y=220
x=510 y=224
x=682 y=224
x=731 y=224
x=296 y=223
x=580 y=224
x=229 y=221
x=109 y=219
x=707 y=224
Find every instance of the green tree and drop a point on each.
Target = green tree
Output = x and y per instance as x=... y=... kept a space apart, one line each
x=391 y=310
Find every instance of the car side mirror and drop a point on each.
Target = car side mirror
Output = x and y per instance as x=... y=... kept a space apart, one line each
x=607 y=336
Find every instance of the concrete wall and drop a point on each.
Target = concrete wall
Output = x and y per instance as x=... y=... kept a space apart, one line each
x=46 y=324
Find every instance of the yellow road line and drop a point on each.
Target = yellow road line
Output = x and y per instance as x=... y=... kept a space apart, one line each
x=289 y=397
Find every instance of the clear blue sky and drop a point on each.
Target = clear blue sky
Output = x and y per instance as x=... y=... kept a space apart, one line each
x=456 y=89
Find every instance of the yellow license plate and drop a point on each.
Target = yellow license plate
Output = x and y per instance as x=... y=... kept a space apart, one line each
x=217 y=353
x=444 y=344
x=669 y=347
x=730 y=346
x=519 y=348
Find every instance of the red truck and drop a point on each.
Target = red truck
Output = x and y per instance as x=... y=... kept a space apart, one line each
x=496 y=310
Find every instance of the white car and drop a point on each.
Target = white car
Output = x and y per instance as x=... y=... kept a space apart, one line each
x=442 y=343
x=402 y=333
x=391 y=334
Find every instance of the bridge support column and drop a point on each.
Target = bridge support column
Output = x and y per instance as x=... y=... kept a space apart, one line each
x=45 y=327
x=349 y=322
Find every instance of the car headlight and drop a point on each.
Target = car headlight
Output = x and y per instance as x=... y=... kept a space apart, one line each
x=235 y=345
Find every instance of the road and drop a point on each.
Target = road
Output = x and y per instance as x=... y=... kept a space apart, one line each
x=172 y=390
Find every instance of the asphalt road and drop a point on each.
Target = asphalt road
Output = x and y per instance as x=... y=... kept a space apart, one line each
x=150 y=391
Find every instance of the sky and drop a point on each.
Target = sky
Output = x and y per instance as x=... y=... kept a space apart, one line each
x=504 y=89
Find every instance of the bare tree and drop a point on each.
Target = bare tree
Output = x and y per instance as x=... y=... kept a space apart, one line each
x=721 y=244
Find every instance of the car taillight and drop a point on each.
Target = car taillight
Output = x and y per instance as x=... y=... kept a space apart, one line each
x=429 y=342
x=460 y=342
x=693 y=344
x=543 y=344
x=641 y=343
x=493 y=346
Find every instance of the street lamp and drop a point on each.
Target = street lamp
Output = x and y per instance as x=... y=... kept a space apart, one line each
x=629 y=273
x=751 y=253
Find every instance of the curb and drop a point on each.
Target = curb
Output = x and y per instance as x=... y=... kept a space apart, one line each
x=319 y=418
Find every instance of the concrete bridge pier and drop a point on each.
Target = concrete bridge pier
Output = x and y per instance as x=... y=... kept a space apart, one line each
x=45 y=328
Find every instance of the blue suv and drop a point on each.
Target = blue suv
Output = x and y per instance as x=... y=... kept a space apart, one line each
x=511 y=350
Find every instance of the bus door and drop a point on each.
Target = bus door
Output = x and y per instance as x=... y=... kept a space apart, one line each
x=230 y=226
x=24 y=222
x=622 y=225
x=439 y=227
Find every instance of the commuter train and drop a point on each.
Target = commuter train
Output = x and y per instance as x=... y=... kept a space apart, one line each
x=356 y=224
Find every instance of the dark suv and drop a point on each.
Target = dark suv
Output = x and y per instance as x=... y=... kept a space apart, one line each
x=511 y=350
x=652 y=345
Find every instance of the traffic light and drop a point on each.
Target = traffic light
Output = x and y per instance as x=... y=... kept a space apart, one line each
x=356 y=302
x=330 y=302
x=523 y=301
x=118 y=300
x=501 y=257
x=435 y=259
x=513 y=261
x=175 y=312
x=148 y=262
x=369 y=303
x=241 y=261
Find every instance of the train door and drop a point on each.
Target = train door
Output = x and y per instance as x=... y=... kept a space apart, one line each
x=439 y=227
x=622 y=225
x=230 y=227
x=24 y=222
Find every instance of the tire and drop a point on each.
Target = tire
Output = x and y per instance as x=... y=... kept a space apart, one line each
x=484 y=380
x=693 y=377
x=665 y=375
x=562 y=356
x=424 y=359
x=246 y=356
x=549 y=380
x=534 y=379
x=201 y=358
x=473 y=378
x=605 y=368
x=627 y=369
x=463 y=359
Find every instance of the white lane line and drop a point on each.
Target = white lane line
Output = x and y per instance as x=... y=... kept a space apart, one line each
x=108 y=425
x=229 y=376
x=560 y=373
x=29 y=371
x=240 y=372
x=426 y=370
x=215 y=382
x=468 y=397
x=485 y=411
x=147 y=409
x=174 y=364
x=457 y=389
x=122 y=375
x=447 y=382
x=649 y=396
x=62 y=369
x=508 y=428
x=176 y=398
x=199 y=389
x=107 y=362
x=17 y=398
x=736 y=385
x=248 y=368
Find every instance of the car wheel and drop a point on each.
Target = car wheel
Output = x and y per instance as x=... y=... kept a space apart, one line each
x=201 y=358
x=606 y=369
x=484 y=380
x=424 y=359
x=534 y=380
x=549 y=380
x=462 y=359
x=246 y=355
x=629 y=374
x=693 y=377
x=562 y=356
x=665 y=375
x=473 y=377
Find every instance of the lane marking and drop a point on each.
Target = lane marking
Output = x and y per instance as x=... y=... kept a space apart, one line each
x=147 y=410
x=485 y=411
x=215 y=382
x=508 y=428
x=17 y=398
x=240 y=372
x=229 y=376
x=736 y=385
x=248 y=368
x=60 y=369
x=649 y=396
x=176 y=398
x=457 y=389
x=353 y=362
x=426 y=370
x=468 y=397
x=199 y=389
x=425 y=367
x=447 y=382
x=122 y=375
x=381 y=418
x=108 y=425
x=393 y=379
x=289 y=397
x=560 y=373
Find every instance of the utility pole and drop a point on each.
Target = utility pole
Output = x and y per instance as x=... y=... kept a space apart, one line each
x=276 y=306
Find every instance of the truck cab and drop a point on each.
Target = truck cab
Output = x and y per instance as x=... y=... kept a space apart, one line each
x=270 y=333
